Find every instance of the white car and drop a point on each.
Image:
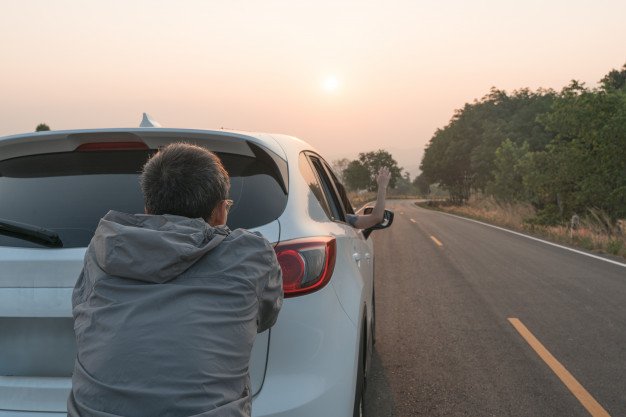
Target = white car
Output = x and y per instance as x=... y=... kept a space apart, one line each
x=54 y=188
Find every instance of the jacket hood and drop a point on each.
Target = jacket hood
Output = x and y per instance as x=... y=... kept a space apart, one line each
x=152 y=248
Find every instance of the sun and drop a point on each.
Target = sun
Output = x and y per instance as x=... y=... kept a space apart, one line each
x=330 y=84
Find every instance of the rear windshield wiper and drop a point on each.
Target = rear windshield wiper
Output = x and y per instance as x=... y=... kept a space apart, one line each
x=31 y=233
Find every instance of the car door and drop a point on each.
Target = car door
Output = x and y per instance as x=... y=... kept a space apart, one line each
x=352 y=245
x=363 y=252
x=362 y=247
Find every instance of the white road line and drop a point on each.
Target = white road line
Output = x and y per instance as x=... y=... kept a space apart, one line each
x=413 y=220
x=537 y=239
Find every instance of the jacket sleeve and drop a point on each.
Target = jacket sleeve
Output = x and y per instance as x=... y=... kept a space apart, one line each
x=270 y=294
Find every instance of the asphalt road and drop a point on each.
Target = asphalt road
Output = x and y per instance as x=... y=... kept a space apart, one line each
x=445 y=346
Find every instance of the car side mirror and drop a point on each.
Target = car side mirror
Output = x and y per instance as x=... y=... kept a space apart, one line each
x=387 y=221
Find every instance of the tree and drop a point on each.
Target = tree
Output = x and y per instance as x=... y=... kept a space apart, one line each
x=339 y=166
x=41 y=127
x=421 y=184
x=404 y=186
x=589 y=150
x=446 y=163
x=356 y=176
x=614 y=80
x=563 y=152
x=461 y=156
x=507 y=184
x=373 y=161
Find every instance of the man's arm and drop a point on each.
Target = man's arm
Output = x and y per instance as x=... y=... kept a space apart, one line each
x=271 y=295
x=365 y=221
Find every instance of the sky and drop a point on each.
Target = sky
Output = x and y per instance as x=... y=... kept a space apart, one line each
x=345 y=76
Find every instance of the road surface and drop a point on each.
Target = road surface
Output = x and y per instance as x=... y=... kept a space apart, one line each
x=445 y=291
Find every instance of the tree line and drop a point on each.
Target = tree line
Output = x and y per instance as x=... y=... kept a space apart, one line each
x=563 y=152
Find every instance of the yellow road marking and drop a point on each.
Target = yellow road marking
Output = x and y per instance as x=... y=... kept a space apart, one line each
x=413 y=220
x=592 y=406
x=437 y=242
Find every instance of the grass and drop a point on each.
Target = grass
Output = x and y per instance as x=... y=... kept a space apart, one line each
x=358 y=199
x=593 y=234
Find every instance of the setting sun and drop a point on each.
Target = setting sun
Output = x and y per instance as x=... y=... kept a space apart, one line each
x=330 y=84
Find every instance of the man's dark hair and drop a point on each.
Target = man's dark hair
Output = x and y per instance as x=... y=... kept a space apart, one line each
x=185 y=180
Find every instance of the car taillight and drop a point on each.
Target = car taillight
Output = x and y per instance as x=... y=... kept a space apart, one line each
x=307 y=264
x=111 y=146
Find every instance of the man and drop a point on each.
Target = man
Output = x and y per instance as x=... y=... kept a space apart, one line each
x=168 y=303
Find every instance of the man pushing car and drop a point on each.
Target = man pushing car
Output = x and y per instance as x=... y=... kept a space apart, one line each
x=168 y=303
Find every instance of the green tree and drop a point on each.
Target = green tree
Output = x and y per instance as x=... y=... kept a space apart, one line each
x=356 y=176
x=564 y=152
x=421 y=184
x=589 y=151
x=446 y=162
x=507 y=184
x=461 y=156
x=41 y=127
x=614 y=80
x=513 y=117
x=373 y=161
x=546 y=185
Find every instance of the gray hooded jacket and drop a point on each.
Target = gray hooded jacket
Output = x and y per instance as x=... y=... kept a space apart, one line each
x=166 y=311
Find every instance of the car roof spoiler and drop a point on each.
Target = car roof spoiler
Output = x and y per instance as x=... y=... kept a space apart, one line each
x=154 y=138
x=148 y=121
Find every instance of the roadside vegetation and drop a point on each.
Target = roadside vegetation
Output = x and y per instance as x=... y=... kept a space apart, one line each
x=359 y=199
x=551 y=163
x=591 y=232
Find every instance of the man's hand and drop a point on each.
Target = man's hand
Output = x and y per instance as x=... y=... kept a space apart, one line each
x=383 y=177
x=365 y=221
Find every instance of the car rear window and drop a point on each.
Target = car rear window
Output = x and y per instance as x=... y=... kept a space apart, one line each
x=70 y=192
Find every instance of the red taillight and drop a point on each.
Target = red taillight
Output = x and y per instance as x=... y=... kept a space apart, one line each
x=307 y=264
x=111 y=146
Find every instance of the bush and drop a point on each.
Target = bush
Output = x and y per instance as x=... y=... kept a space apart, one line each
x=614 y=246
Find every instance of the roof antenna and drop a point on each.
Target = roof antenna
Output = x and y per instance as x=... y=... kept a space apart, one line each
x=148 y=121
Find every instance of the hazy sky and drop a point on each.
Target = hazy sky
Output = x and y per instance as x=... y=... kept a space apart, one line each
x=400 y=68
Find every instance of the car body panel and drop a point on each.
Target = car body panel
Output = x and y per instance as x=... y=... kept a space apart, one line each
x=312 y=363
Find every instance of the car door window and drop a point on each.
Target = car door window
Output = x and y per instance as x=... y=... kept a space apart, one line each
x=314 y=184
x=341 y=191
x=329 y=189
